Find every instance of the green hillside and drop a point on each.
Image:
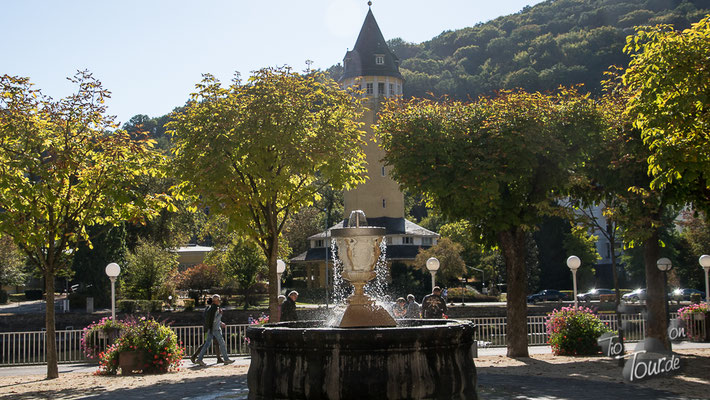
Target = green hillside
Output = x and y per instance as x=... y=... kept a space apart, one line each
x=557 y=42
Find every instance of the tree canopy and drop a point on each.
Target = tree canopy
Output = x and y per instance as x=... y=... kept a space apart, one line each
x=64 y=167
x=259 y=151
x=497 y=162
x=672 y=107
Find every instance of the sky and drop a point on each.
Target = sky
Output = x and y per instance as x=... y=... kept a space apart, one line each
x=151 y=53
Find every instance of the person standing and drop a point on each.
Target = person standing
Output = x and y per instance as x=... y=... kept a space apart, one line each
x=206 y=330
x=288 y=308
x=280 y=300
x=400 y=308
x=413 y=308
x=433 y=306
x=214 y=321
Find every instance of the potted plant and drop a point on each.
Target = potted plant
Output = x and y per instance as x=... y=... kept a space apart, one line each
x=697 y=321
x=98 y=336
x=145 y=346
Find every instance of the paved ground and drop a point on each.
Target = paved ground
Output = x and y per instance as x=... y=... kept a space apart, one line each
x=492 y=386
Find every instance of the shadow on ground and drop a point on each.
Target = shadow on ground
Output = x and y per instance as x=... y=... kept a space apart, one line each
x=205 y=388
x=593 y=379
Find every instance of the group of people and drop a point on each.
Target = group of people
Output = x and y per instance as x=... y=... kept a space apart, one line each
x=433 y=306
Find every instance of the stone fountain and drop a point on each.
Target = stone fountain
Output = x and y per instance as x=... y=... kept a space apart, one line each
x=368 y=355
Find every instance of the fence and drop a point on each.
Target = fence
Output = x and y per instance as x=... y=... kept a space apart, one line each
x=24 y=348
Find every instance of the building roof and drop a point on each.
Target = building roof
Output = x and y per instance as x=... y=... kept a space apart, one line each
x=396 y=252
x=393 y=226
x=360 y=61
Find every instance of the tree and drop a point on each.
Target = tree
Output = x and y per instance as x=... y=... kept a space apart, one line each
x=150 y=272
x=617 y=175
x=12 y=266
x=452 y=266
x=671 y=109
x=243 y=264
x=496 y=162
x=259 y=151
x=200 y=277
x=62 y=169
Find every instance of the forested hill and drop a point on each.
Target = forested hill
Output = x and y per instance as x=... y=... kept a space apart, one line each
x=557 y=42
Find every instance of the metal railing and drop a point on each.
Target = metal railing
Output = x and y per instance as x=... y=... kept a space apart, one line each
x=25 y=348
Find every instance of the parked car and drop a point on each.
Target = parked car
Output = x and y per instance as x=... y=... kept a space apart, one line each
x=635 y=296
x=684 y=294
x=593 y=294
x=547 y=295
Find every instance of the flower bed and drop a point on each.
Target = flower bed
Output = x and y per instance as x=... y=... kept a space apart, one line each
x=574 y=331
x=156 y=344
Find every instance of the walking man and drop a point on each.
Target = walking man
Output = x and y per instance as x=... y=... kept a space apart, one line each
x=214 y=321
x=206 y=327
x=433 y=306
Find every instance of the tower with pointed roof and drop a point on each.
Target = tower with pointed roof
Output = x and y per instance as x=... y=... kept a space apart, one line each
x=373 y=68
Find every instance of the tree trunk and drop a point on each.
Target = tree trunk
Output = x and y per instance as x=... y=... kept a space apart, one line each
x=272 y=256
x=655 y=292
x=51 y=338
x=512 y=243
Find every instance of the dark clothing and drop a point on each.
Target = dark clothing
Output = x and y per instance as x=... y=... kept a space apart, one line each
x=413 y=310
x=433 y=306
x=288 y=310
x=209 y=316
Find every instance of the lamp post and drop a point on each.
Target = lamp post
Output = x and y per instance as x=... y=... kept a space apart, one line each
x=705 y=263
x=432 y=264
x=665 y=265
x=112 y=270
x=280 y=268
x=573 y=263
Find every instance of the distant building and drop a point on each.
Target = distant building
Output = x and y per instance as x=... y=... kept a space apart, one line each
x=372 y=67
x=191 y=254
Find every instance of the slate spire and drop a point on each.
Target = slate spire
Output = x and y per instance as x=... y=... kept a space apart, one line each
x=371 y=56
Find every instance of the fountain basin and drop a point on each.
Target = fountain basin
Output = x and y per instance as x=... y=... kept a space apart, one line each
x=417 y=359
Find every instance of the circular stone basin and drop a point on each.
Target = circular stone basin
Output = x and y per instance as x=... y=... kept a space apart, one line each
x=418 y=359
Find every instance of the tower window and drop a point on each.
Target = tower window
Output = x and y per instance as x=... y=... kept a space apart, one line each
x=379 y=59
x=384 y=203
x=383 y=171
x=391 y=89
x=380 y=88
x=427 y=241
x=407 y=240
x=369 y=87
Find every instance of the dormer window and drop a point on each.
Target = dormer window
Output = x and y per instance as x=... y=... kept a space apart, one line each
x=379 y=59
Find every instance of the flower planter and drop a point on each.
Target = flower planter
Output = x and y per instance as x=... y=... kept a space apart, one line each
x=699 y=327
x=131 y=362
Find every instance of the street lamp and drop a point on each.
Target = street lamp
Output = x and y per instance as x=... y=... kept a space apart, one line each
x=705 y=263
x=665 y=265
x=432 y=264
x=573 y=263
x=112 y=270
x=280 y=268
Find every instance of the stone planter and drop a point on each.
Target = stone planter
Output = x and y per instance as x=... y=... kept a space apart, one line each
x=131 y=362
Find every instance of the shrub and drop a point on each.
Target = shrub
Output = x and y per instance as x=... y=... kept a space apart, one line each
x=126 y=306
x=34 y=294
x=574 y=331
x=188 y=304
x=156 y=341
x=99 y=335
